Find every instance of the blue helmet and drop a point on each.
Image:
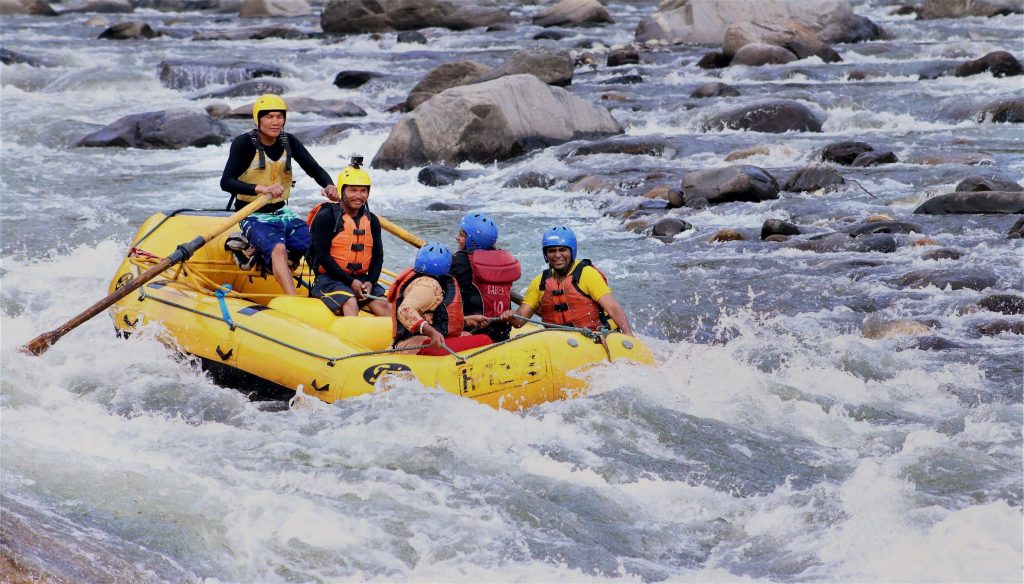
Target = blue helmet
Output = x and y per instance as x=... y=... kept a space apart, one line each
x=481 y=232
x=433 y=259
x=560 y=236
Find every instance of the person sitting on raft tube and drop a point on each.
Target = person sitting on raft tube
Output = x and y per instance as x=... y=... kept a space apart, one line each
x=347 y=253
x=260 y=161
x=485 y=276
x=426 y=305
x=570 y=292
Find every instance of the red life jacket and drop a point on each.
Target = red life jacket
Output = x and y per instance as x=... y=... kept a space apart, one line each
x=352 y=246
x=446 y=318
x=565 y=304
x=494 y=271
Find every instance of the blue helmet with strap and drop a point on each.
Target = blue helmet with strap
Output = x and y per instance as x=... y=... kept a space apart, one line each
x=481 y=232
x=433 y=259
x=560 y=236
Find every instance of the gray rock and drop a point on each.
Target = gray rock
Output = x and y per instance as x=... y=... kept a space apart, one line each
x=972 y=279
x=934 y=343
x=1017 y=230
x=634 y=145
x=573 y=13
x=442 y=176
x=1003 y=111
x=714 y=89
x=794 y=38
x=853 y=29
x=172 y=130
x=932 y=9
x=988 y=183
x=774 y=116
x=714 y=60
x=876 y=242
x=188 y=75
x=443 y=77
x=130 y=30
x=102 y=7
x=942 y=253
x=254 y=87
x=875 y=158
x=741 y=182
x=361 y=16
x=757 y=54
x=626 y=56
x=873 y=227
x=8 y=57
x=489 y=121
x=979 y=202
x=1003 y=303
x=354 y=79
x=412 y=37
x=844 y=152
x=997 y=327
x=551 y=66
x=244 y=33
x=331 y=134
x=814 y=178
x=772 y=227
x=530 y=180
x=26 y=8
x=668 y=227
x=623 y=80
x=328 y=108
x=551 y=35
x=999 y=63
x=274 y=8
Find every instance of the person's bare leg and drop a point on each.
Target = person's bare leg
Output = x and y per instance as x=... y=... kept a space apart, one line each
x=282 y=271
x=379 y=308
x=350 y=308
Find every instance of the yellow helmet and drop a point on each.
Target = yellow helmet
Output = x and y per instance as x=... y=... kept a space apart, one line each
x=268 y=102
x=354 y=176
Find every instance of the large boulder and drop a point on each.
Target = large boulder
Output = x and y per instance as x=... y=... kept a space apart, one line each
x=977 y=202
x=493 y=120
x=443 y=77
x=705 y=21
x=757 y=54
x=961 y=8
x=266 y=8
x=358 y=16
x=795 y=39
x=188 y=75
x=987 y=183
x=172 y=129
x=844 y=152
x=999 y=63
x=254 y=87
x=741 y=182
x=26 y=8
x=549 y=65
x=573 y=13
x=955 y=279
x=814 y=178
x=129 y=30
x=773 y=116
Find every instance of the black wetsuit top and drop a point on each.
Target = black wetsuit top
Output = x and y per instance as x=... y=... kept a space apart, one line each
x=241 y=155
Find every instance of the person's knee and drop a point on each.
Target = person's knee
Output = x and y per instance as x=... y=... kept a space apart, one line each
x=279 y=251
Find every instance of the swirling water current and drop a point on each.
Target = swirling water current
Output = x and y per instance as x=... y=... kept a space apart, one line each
x=776 y=440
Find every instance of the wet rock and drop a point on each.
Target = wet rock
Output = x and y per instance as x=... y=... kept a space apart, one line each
x=172 y=130
x=130 y=30
x=854 y=29
x=932 y=9
x=254 y=87
x=723 y=235
x=872 y=227
x=361 y=16
x=794 y=38
x=715 y=89
x=972 y=279
x=775 y=116
x=979 y=202
x=943 y=253
x=187 y=74
x=413 y=37
x=741 y=182
x=714 y=60
x=999 y=63
x=669 y=227
x=623 y=80
x=551 y=35
x=759 y=150
x=494 y=120
x=330 y=134
x=778 y=227
x=243 y=33
x=777 y=238
x=633 y=145
x=274 y=8
x=875 y=158
x=573 y=13
x=594 y=184
x=328 y=108
x=441 y=206
x=219 y=110
x=551 y=66
x=814 y=178
x=987 y=183
x=934 y=343
x=444 y=77
x=758 y=54
x=531 y=180
x=880 y=328
x=878 y=217
x=441 y=176
x=354 y=79
x=8 y=57
x=934 y=71
x=1003 y=303
x=26 y=8
x=626 y=56
x=102 y=7
x=1003 y=111
x=998 y=327
x=935 y=158
x=1017 y=231
x=876 y=242
x=844 y=152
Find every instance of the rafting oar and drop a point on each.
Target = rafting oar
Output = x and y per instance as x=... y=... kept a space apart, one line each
x=181 y=253
x=417 y=241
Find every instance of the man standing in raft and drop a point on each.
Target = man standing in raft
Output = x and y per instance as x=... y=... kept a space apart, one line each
x=347 y=253
x=570 y=292
x=259 y=162
x=485 y=276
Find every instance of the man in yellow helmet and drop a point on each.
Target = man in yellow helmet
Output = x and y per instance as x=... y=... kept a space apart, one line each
x=347 y=252
x=260 y=161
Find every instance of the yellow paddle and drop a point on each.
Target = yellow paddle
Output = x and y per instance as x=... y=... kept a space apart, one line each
x=183 y=252
x=418 y=242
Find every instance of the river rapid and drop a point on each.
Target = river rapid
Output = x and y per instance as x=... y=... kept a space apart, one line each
x=789 y=433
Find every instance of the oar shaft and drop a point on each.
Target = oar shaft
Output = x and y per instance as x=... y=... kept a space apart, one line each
x=184 y=251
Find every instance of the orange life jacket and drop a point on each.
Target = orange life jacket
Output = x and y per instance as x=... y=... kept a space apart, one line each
x=352 y=246
x=494 y=272
x=446 y=318
x=565 y=304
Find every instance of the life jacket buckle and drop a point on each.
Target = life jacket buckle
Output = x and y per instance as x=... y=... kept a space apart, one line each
x=358 y=246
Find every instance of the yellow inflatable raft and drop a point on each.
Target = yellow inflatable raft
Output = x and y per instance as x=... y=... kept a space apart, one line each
x=248 y=334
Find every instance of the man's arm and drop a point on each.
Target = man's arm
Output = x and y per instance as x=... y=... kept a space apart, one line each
x=614 y=310
x=377 y=258
x=309 y=164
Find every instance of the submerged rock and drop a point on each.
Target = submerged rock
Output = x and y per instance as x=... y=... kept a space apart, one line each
x=875 y=158
x=354 y=79
x=873 y=227
x=814 y=178
x=172 y=130
x=714 y=89
x=1003 y=111
x=972 y=279
x=775 y=116
x=436 y=175
x=844 y=152
x=1017 y=231
x=1003 y=303
x=668 y=227
x=361 y=16
x=772 y=227
x=977 y=202
x=130 y=30
x=274 y=8
x=741 y=182
x=943 y=253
